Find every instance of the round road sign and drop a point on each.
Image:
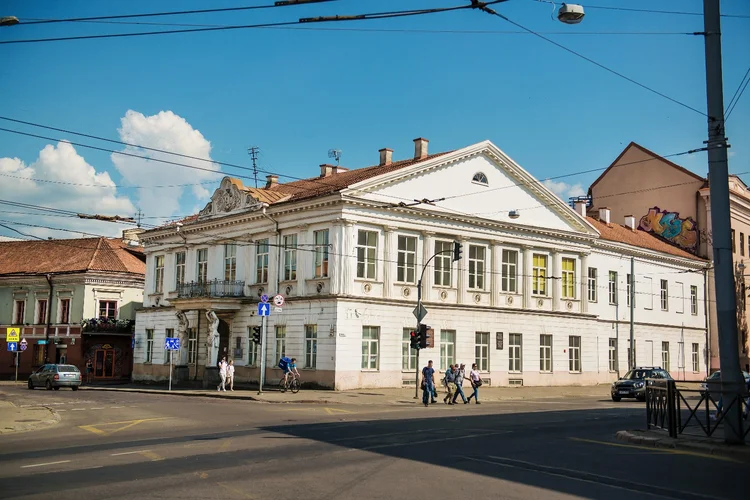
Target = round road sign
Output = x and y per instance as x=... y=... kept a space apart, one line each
x=278 y=300
x=264 y=298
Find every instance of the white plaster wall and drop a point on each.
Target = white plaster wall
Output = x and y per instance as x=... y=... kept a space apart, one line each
x=123 y=295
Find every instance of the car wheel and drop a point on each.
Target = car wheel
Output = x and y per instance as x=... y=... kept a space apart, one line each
x=57 y=388
x=75 y=387
x=640 y=398
x=31 y=384
x=48 y=385
x=616 y=399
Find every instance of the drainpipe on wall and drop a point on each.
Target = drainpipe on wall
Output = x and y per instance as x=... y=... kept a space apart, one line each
x=49 y=319
x=705 y=315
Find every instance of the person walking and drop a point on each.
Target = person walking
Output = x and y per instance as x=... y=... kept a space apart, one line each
x=230 y=375
x=428 y=384
x=222 y=375
x=476 y=382
x=450 y=384
x=89 y=370
x=460 y=376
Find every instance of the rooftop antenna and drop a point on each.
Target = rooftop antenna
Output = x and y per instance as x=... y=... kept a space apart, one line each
x=336 y=154
x=138 y=217
x=253 y=152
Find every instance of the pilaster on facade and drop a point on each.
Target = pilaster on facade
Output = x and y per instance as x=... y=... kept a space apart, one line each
x=389 y=259
x=526 y=275
x=584 y=283
x=555 y=281
x=462 y=270
x=496 y=271
x=349 y=258
x=428 y=246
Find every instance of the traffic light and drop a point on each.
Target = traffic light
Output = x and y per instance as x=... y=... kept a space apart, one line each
x=256 y=335
x=414 y=340
x=457 y=251
x=422 y=335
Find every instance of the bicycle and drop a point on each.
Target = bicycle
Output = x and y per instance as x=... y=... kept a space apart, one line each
x=292 y=385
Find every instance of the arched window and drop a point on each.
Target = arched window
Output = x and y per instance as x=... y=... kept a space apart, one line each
x=480 y=178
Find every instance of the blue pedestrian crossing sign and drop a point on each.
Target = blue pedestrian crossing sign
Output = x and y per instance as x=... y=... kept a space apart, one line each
x=172 y=344
x=13 y=346
x=264 y=309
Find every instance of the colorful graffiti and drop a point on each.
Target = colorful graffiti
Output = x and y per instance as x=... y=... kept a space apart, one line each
x=668 y=225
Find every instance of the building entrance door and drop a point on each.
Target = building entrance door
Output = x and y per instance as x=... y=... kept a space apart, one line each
x=104 y=363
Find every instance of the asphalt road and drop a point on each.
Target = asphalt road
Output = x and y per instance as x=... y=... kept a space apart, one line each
x=138 y=446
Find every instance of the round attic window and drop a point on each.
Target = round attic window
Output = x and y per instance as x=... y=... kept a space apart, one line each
x=480 y=178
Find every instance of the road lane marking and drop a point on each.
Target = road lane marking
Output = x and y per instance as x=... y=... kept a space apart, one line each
x=659 y=450
x=436 y=440
x=128 y=453
x=113 y=407
x=97 y=408
x=126 y=424
x=151 y=456
x=45 y=464
x=332 y=411
x=77 y=409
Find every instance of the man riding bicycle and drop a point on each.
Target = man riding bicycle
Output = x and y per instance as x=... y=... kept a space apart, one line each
x=289 y=366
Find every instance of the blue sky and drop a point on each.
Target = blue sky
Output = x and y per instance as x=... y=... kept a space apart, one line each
x=296 y=93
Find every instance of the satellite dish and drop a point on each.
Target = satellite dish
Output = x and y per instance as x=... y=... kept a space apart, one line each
x=571 y=13
x=514 y=214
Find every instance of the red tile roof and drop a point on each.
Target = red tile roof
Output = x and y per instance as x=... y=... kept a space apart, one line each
x=74 y=255
x=638 y=238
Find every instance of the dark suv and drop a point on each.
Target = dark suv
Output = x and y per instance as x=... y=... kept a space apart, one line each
x=633 y=383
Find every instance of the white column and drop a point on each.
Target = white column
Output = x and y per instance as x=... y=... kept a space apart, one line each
x=427 y=251
x=584 y=277
x=495 y=268
x=389 y=256
x=526 y=278
x=555 y=283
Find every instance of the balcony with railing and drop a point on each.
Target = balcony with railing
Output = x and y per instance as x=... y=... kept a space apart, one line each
x=215 y=289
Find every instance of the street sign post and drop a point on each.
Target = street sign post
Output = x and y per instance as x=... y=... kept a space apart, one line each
x=171 y=344
x=264 y=309
x=13 y=334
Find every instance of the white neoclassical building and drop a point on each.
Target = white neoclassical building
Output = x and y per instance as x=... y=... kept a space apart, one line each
x=541 y=295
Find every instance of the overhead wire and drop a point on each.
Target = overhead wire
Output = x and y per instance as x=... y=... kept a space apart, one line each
x=104 y=186
x=652 y=11
x=737 y=94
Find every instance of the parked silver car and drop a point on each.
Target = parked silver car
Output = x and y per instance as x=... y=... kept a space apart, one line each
x=53 y=376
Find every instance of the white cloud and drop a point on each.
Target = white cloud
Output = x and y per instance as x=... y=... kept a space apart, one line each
x=564 y=190
x=170 y=132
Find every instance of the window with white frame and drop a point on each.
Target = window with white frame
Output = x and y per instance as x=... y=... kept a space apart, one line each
x=574 y=354
x=680 y=297
x=443 y=262
x=514 y=352
x=168 y=333
x=290 y=257
x=693 y=300
x=149 y=345
x=179 y=267
x=252 y=349
x=159 y=274
x=239 y=352
x=447 y=348
x=367 y=254
x=64 y=311
x=568 y=278
x=311 y=346
x=664 y=295
x=480 y=178
x=613 y=355
x=321 y=253
x=696 y=359
x=19 y=312
x=539 y=275
x=408 y=355
x=230 y=262
x=41 y=311
x=482 y=351
x=613 y=287
x=545 y=353
x=280 y=344
x=476 y=266
x=261 y=261
x=665 y=355
x=192 y=346
x=593 y=285
x=509 y=271
x=407 y=259
x=108 y=309
x=648 y=292
x=370 y=347
x=202 y=262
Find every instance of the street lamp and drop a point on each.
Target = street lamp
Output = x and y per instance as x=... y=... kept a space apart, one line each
x=9 y=21
x=570 y=13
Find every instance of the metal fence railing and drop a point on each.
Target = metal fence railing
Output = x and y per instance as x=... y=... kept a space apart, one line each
x=213 y=288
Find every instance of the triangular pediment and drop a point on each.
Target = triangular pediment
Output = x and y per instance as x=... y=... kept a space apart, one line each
x=479 y=181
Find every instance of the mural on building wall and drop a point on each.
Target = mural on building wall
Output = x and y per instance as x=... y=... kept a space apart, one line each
x=669 y=225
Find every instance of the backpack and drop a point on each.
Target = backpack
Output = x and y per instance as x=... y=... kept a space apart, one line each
x=284 y=362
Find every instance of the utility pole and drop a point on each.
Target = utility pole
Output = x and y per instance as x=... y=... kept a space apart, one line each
x=138 y=217
x=253 y=152
x=718 y=174
x=631 y=361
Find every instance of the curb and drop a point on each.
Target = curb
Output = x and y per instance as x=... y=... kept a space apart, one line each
x=216 y=395
x=740 y=454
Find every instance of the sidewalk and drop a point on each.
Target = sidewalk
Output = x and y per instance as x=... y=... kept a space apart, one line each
x=401 y=396
x=708 y=446
x=15 y=419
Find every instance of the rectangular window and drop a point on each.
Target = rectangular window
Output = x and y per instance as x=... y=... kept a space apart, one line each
x=443 y=262
x=680 y=298
x=648 y=292
x=192 y=346
x=693 y=300
x=321 y=253
x=447 y=348
x=108 y=309
x=628 y=288
x=696 y=359
x=370 y=347
x=613 y=287
x=168 y=333
x=545 y=353
x=482 y=351
x=149 y=345
x=159 y=274
x=514 y=352
x=311 y=346
x=252 y=349
x=510 y=271
x=38 y=355
x=280 y=342
x=665 y=355
x=230 y=262
x=613 y=355
x=574 y=354
x=367 y=253
x=539 y=275
x=407 y=259
x=64 y=311
x=41 y=312
x=664 y=295
x=179 y=267
x=742 y=244
x=20 y=312
x=261 y=261
x=290 y=257
x=238 y=350
x=476 y=267
x=202 y=265
x=568 y=278
x=408 y=355
x=593 y=286
x=734 y=245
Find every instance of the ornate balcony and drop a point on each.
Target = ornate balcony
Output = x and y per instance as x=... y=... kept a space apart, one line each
x=215 y=288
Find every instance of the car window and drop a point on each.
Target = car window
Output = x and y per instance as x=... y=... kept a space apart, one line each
x=66 y=368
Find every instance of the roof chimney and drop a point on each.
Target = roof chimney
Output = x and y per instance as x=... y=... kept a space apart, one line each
x=604 y=215
x=327 y=170
x=420 y=148
x=271 y=180
x=386 y=156
x=581 y=208
x=630 y=222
